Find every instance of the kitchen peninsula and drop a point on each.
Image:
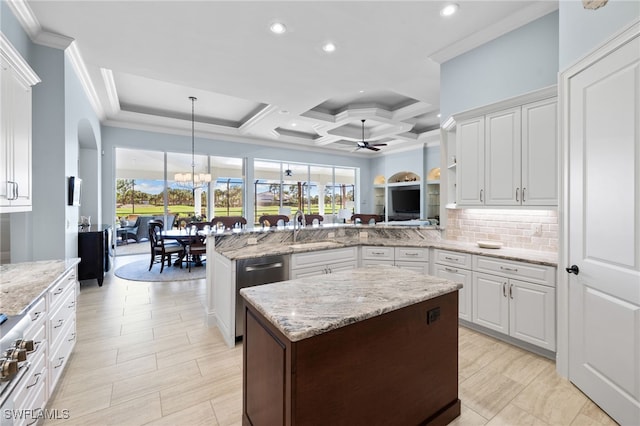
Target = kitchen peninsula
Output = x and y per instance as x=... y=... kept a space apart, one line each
x=376 y=345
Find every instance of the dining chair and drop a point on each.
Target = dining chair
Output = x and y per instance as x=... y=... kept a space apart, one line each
x=369 y=219
x=159 y=250
x=228 y=221
x=273 y=219
x=196 y=246
x=310 y=218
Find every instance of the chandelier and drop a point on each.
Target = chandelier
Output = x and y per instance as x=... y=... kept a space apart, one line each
x=196 y=180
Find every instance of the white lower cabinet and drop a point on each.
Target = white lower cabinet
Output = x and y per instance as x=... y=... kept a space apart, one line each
x=456 y=267
x=61 y=328
x=520 y=309
x=323 y=262
x=464 y=294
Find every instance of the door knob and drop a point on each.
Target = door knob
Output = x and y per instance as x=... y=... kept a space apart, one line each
x=573 y=269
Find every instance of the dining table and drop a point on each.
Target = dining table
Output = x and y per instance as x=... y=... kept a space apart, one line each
x=184 y=237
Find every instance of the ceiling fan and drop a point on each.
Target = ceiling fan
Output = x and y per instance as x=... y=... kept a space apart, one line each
x=367 y=145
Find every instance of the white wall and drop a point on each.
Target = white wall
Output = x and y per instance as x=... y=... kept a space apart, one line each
x=582 y=30
x=521 y=61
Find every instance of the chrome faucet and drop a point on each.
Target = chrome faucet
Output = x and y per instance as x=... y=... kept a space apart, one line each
x=297 y=225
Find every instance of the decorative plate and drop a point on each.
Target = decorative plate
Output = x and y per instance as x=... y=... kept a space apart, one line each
x=489 y=244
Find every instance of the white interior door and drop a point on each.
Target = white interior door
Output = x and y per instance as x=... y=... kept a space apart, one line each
x=604 y=231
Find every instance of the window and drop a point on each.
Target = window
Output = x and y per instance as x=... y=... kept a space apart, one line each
x=228 y=186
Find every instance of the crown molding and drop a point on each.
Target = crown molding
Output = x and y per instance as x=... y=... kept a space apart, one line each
x=256 y=118
x=32 y=27
x=112 y=91
x=73 y=53
x=17 y=62
x=508 y=24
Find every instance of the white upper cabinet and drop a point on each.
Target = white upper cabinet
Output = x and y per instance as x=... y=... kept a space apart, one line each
x=15 y=134
x=508 y=157
x=502 y=158
x=540 y=153
x=470 y=162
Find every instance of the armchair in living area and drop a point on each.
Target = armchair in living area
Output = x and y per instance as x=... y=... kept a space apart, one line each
x=161 y=251
x=140 y=229
x=228 y=222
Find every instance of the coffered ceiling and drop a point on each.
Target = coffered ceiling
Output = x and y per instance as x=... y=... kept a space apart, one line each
x=141 y=60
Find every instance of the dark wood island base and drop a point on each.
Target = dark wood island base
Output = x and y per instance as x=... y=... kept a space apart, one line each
x=398 y=368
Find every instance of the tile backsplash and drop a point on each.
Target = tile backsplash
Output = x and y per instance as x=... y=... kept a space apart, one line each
x=527 y=229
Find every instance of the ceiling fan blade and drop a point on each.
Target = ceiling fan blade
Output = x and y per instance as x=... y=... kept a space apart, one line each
x=378 y=144
x=372 y=148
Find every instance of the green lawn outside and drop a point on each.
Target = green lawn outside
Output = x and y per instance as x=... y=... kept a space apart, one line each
x=152 y=210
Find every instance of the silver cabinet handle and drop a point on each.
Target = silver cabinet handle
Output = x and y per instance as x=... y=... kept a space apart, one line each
x=58 y=291
x=481 y=200
x=411 y=253
x=523 y=189
x=17 y=190
x=504 y=268
x=511 y=291
x=504 y=289
x=455 y=259
x=61 y=359
x=60 y=322
x=37 y=376
x=451 y=270
x=517 y=194
x=377 y=253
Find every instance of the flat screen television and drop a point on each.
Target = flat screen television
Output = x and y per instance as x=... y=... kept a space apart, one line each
x=405 y=200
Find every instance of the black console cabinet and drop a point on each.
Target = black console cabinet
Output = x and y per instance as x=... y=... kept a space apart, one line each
x=94 y=247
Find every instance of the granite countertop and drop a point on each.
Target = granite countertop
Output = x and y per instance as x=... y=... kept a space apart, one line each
x=22 y=283
x=307 y=307
x=259 y=250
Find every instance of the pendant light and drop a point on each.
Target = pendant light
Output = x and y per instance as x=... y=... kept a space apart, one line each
x=199 y=180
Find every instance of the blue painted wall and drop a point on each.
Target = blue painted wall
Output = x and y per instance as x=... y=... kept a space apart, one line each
x=583 y=30
x=521 y=61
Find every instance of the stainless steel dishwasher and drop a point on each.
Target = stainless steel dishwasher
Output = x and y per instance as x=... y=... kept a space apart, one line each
x=257 y=271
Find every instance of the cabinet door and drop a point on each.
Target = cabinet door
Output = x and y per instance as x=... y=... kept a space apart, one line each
x=532 y=315
x=470 y=160
x=502 y=158
x=342 y=266
x=490 y=302
x=6 y=135
x=540 y=153
x=464 y=294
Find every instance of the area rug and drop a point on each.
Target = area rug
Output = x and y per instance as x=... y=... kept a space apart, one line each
x=139 y=271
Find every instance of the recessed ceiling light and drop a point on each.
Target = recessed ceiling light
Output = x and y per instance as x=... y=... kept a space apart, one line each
x=449 y=9
x=329 y=47
x=294 y=124
x=278 y=28
x=438 y=115
x=361 y=91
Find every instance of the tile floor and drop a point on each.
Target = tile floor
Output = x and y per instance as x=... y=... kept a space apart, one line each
x=144 y=357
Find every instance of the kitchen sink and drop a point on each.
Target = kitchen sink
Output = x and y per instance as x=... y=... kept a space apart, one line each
x=315 y=245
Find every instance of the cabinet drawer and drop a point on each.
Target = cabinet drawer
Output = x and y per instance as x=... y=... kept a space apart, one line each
x=322 y=257
x=374 y=253
x=412 y=253
x=57 y=292
x=30 y=382
x=35 y=404
x=61 y=318
x=312 y=271
x=508 y=268
x=422 y=267
x=453 y=258
x=38 y=314
x=60 y=355
x=376 y=262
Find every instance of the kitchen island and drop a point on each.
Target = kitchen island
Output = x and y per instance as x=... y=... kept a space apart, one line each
x=376 y=345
